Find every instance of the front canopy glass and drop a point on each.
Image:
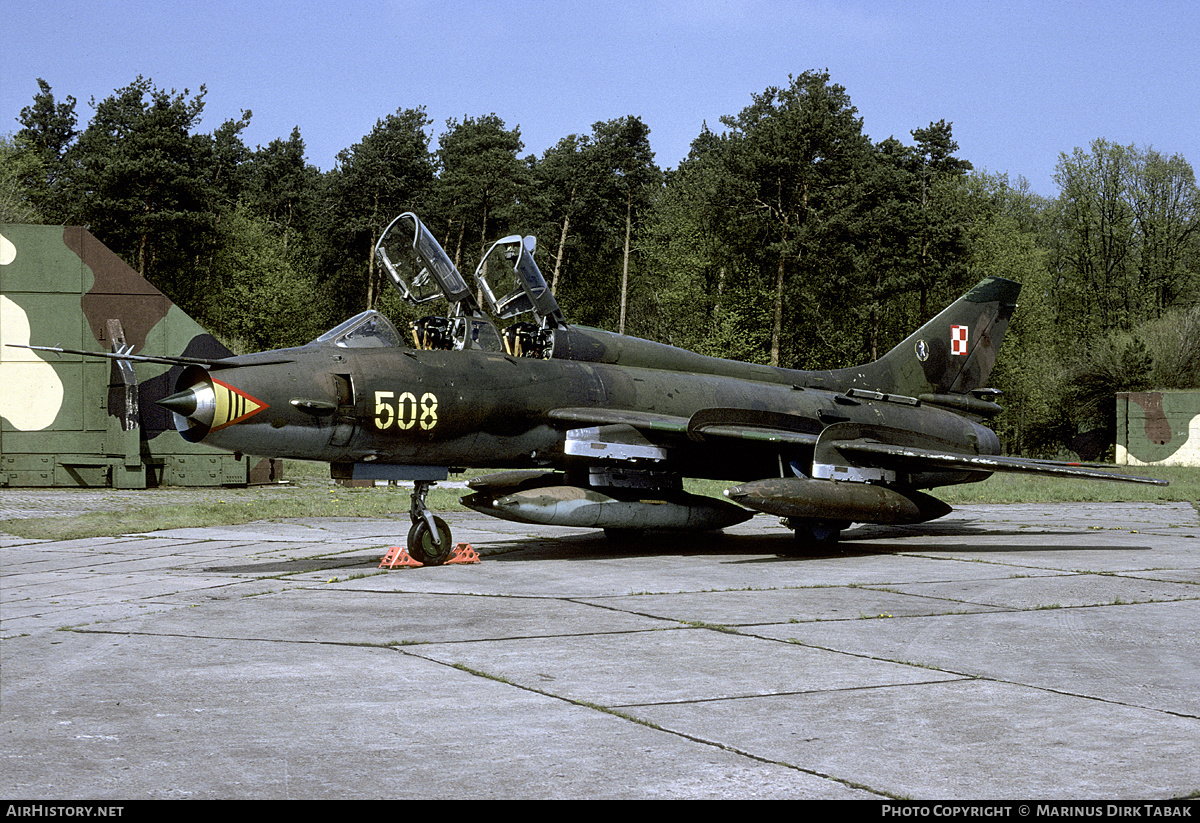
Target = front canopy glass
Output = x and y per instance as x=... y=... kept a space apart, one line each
x=368 y=330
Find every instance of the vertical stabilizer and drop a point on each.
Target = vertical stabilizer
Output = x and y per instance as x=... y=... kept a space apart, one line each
x=951 y=354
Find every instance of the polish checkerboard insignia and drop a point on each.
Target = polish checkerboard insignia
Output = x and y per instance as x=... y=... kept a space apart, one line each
x=958 y=339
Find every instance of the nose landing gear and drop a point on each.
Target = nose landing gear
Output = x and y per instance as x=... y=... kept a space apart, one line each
x=429 y=540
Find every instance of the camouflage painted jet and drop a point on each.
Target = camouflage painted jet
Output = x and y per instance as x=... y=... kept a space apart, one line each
x=597 y=430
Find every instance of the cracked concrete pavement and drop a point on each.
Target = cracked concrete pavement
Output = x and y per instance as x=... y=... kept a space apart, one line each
x=1017 y=651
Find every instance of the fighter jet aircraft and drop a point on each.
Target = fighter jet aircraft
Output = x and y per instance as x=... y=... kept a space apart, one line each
x=597 y=430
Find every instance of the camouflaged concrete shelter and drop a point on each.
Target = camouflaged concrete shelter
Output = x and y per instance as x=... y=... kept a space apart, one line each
x=73 y=421
x=1158 y=427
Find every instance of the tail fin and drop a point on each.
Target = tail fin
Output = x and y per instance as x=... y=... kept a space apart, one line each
x=951 y=354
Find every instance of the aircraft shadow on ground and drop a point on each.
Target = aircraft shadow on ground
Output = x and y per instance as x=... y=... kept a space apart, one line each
x=858 y=542
x=780 y=546
x=338 y=563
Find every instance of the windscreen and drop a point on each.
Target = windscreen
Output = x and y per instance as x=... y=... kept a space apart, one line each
x=368 y=330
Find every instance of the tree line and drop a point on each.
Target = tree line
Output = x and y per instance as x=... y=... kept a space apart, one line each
x=786 y=236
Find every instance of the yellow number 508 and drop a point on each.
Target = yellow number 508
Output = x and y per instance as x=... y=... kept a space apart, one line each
x=405 y=411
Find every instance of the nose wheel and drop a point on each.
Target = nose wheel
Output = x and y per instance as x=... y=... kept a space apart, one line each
x=429 y=540
x=428 y=545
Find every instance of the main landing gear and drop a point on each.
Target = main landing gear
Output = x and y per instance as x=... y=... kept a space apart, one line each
x=814 y=534
x=429 y=539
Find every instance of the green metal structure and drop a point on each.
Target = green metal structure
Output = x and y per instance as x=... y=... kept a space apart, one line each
x=73 y=421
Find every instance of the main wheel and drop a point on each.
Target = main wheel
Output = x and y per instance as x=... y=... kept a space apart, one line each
x=814 y=535
x=624 y=535
x=422 y=546
x=820 y=531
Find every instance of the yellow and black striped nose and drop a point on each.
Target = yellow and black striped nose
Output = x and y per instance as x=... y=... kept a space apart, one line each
x=209 y=405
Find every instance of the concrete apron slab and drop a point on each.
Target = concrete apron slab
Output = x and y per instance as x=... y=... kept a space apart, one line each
x=171 y=717
x=1007 y=651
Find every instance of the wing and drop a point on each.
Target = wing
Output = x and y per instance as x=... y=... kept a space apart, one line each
x=743 y=424
x=909 y=458
x=773 y=427
x=614 y=417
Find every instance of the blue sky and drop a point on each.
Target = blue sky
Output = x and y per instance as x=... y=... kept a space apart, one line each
x=1021 y=81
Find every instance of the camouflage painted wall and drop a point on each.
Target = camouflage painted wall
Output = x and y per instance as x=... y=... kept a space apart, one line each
x=73 y=421
x=1158 y=427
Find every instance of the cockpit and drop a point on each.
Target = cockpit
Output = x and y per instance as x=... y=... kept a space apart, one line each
x=367 y=330
x=422 y=272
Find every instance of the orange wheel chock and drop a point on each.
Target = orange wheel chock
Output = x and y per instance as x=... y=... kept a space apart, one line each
x=399 y=556
x=463 y=553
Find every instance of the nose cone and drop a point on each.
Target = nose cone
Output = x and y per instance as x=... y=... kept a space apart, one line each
x=183 y=403
x=205 y=404
x=196 y=405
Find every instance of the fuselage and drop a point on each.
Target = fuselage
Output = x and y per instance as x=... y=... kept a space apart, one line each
x=602 y=428
x=391 y=405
